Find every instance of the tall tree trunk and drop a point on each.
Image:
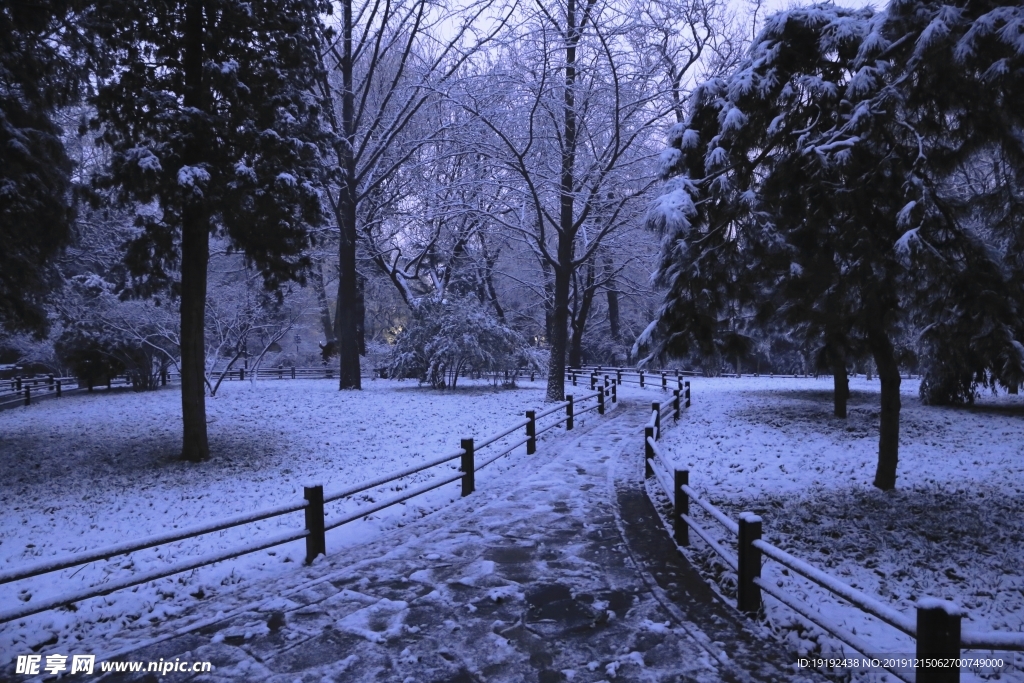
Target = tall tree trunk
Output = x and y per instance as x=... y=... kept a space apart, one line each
x=566 y=217
x=195 y=256
x=840 y=385
x=889 y=429
x=558 y=339
x=347 y=325
x=317 y=276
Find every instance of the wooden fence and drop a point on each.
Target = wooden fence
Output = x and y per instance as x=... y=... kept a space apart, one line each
x=653 y=379
x=312 y=505
x=24 y=391
x=935 y=628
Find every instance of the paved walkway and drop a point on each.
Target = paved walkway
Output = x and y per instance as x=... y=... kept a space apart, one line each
x=522 y=582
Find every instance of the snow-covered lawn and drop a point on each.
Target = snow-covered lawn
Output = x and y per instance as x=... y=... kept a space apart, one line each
x=90 y=471
x=953 y=528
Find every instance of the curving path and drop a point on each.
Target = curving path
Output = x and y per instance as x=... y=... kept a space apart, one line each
x=562 y=574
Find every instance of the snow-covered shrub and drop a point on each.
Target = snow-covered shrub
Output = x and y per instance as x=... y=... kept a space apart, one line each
x=104 y=336
x=445 y=339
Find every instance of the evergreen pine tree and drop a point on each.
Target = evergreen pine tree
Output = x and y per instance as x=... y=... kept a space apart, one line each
x=211 y=130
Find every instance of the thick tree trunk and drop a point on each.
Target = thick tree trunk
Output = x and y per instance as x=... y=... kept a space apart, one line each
x=840 y=387
x=195 y=256
x=347 y=323
x=559 y=334
x=889 y=428
x=566 y=214
x=346 y=318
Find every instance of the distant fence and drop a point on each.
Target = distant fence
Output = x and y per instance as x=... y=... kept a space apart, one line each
x=649 y=379
x=936 y=628
x=23 y=391
x=312 y=506
x=26 y=391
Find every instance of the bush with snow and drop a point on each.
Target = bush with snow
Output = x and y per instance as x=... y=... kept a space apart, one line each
x=447 y=338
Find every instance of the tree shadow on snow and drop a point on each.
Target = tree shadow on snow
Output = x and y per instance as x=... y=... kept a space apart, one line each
x=1009 y=410
x=818 y=396
x=916 y=540
x=75 y=460
x=459 y=390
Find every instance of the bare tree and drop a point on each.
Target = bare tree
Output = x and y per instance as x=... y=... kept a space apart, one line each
x=571 y=106
x=381 y=71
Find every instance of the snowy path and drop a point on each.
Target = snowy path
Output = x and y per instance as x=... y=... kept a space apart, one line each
x=531 y=581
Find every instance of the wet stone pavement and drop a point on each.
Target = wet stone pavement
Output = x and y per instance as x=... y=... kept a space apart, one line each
x=521 y=584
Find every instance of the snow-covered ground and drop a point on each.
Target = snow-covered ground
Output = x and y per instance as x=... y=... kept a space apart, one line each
x=90 y=471
x=953 y=528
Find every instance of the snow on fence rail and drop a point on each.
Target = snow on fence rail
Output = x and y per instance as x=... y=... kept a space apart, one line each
x=936 y=627
x=312 y=505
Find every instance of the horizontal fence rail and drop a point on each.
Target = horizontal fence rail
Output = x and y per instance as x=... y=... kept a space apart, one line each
x=935 y=627
x=313 y=507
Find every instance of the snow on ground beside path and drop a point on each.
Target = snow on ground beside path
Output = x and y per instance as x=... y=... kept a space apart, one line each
x=952 y=529
x=90 y=471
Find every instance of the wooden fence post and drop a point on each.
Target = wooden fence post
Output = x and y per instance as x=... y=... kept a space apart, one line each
x=600 y=401
x=531 y=432
x=938 y=637
x=615 y=394
x=748 y=596
x=618 y=376
x=656 y=407
x=682 y=507
x=568 y=413
x=641 y=379
x=648 y=450
x=280 y=373
x=675 y=404
x=664 y=381
x=293 y=372
x=28 y=394
x=18 y=382
x=468 y=468
x=687 y=394
x=574 y=379
x=241 y=374
x=58 y=388
x=593 y=381
x=316 y=543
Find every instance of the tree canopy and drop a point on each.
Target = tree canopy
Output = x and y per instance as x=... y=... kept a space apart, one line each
x=829 y=181
x=211 y=129
x=43 y=49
